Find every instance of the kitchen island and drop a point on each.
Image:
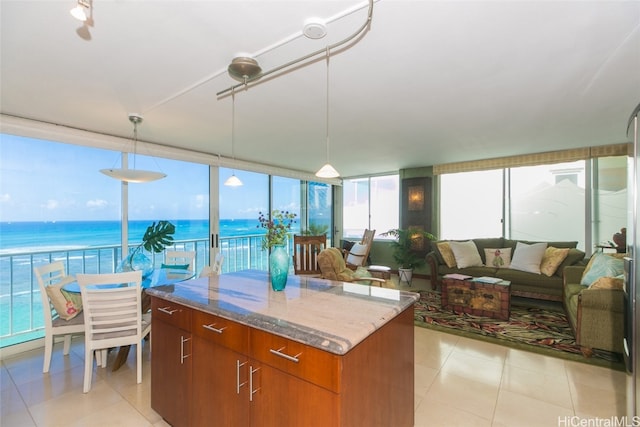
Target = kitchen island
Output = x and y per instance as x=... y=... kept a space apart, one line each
x=229 y=351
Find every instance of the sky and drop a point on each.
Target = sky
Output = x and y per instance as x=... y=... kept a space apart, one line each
x=50 y=181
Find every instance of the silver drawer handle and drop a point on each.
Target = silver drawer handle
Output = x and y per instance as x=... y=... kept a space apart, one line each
x=252 y=391
x=278 y=352
x=211 y=328
x=167 y=310
x=238 y=383
x=182 y=354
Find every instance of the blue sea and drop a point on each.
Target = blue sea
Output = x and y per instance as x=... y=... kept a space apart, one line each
x=63 y=235
x=81 y=245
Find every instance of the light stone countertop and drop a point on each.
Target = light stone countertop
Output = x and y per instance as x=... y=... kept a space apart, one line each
x=332 y=316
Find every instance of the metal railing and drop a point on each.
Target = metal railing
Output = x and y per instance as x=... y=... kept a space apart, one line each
x=21 y=314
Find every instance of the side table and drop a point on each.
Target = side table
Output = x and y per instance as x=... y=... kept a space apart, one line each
x=380 y=271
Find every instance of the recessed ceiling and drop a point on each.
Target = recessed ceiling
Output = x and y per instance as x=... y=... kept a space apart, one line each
x=431 y=81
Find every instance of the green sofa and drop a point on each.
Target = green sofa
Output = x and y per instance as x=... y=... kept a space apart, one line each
x=523 y=283
x=596 y=315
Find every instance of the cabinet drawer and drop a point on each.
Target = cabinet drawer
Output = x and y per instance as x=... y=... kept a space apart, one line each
x=308 y=363
x=171 y=313
x=221 y=331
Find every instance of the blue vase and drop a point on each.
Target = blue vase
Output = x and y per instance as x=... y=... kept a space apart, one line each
x=139 y=261
x=278 y=267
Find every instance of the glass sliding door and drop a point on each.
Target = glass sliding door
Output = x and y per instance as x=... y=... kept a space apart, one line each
x=319 y=210
x=181 y=198
x=240 y=232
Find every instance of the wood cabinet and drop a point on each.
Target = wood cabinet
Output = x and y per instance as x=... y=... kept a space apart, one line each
x=243 y=376
x=171 y=361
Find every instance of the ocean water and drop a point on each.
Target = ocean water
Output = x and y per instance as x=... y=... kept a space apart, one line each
x=27 y=244
x=62 y=235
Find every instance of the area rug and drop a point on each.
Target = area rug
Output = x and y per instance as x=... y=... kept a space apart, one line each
x=540 y=328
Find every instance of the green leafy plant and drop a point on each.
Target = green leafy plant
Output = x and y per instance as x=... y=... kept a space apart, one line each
x=156 y=238
x=404 y=246
x=278 y=227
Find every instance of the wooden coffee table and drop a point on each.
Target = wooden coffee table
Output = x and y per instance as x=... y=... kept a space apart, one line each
x=477 y=298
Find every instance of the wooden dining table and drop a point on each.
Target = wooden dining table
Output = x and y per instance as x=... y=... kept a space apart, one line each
x=159 y=276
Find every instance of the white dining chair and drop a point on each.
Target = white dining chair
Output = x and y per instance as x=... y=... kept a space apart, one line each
x=215 y=269
x=51 y=277
x=112 y=317
x=181 y=258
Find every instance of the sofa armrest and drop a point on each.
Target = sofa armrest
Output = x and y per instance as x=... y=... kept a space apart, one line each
x=602 y=299
x=572 y=274
x=432 y=260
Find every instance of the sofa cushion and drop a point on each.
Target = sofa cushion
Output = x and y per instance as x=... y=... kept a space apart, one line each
x=552 y=259
x=447 y=254
x=608 y=283
x=528 y=257
x=497 y=257
x=488 y=242
x=574 y=257
x=602 y=265
x=466 y=254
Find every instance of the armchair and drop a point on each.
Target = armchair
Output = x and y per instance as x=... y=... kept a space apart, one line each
x=333 y=267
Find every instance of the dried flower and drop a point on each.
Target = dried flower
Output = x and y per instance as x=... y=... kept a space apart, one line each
x=278 y=227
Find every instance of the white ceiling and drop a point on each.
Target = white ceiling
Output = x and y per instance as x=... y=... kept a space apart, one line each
x=431 y=81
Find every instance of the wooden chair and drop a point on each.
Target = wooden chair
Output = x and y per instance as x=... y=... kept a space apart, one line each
x=179 y=258
x=358 y=255
x=112 y=317
x=333 y=267
x=305 y=253
x=51 y=277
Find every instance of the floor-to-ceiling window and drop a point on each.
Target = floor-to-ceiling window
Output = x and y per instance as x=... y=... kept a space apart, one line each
x=471 y=205
x=54 y=205
x=182 y=198
x=548 y=202
x=370 y=203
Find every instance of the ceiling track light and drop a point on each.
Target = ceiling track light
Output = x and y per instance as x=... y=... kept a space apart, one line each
x=133 y=175
x=252 y=79
x=79 y=12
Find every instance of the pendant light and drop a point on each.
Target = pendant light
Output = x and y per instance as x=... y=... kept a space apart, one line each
x=327 y=171
x=134 y=175
x=79 y=12
x=233 y=180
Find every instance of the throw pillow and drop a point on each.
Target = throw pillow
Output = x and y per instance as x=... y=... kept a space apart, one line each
x=447 y=254
x=552 y=259
x=65 y=308
x=466 y=254
x=175 y=266
x=608 y=283
x=528 y=257
x=498 y=258
x=602 y=265
x=356 y=254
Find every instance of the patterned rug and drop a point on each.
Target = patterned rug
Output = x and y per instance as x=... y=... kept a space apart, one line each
x=533 y=328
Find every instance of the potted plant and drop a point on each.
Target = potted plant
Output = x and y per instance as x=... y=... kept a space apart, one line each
x=278 y=227
x=406 y=249
x=156 y=238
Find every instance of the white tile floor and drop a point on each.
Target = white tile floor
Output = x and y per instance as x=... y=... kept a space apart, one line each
x=459 y=382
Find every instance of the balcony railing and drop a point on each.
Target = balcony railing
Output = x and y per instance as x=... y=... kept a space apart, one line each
x=21 y=314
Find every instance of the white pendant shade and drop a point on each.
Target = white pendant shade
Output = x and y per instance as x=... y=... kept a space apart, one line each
x=78 y=13
x=327 y=171
x=133 y=175
x=233 y=181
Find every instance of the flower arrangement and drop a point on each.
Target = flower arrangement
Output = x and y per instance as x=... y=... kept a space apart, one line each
x=278 y=227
